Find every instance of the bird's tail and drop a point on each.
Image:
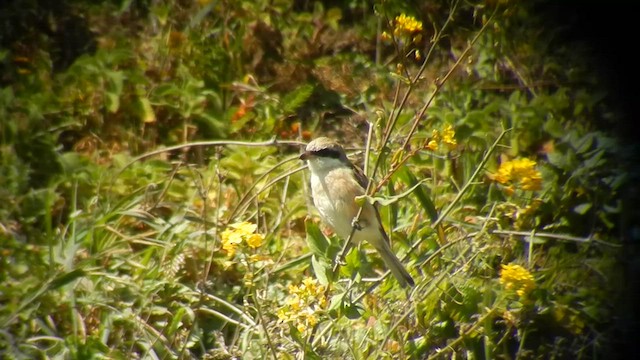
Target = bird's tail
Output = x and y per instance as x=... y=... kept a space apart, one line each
x=394 y=265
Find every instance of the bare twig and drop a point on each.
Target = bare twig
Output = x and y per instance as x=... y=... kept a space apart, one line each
x=553 y=236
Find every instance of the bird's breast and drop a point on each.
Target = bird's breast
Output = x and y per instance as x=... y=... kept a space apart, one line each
x=334 y=197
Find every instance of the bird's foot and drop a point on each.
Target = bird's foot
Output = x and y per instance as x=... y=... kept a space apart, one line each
x=355 y=224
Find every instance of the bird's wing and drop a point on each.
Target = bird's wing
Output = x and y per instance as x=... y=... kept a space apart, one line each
x=364 y=182
x=360 y=176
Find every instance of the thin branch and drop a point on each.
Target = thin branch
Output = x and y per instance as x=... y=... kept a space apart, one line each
x=466 y=186
x=272 y=142
x=441 y=83
x=245 y=197
x=554 y=236
x=264 y=324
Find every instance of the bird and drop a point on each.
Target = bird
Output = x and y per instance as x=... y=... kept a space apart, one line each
x=335 y=184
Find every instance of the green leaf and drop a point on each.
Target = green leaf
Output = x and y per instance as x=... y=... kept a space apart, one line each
x=353 y=311
x=584 y=143
x=66 y=278
x=293 y=100
x=352 y=261
x=322 y=269
x=294 y=263
x=582 y=208
x=423 y=198
x=112 y=102
x=295 y=334
x=113 y=90
x=144 y=110
x=535 y=240
x=317 y=242
x=557 y=159
x=176 y=321
x=333 y=17
x=336 y=304
x=554 y=127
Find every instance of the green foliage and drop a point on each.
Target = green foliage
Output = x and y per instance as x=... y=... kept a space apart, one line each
x=197 y=251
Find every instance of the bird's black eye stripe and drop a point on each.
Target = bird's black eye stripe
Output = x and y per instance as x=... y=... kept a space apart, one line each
x=329 y=153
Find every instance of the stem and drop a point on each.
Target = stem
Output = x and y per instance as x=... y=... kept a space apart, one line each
x=264 y=326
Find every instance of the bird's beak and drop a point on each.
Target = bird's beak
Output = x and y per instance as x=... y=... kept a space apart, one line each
x=304 y=156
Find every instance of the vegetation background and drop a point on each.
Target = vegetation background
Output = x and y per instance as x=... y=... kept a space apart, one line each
x=152 y=204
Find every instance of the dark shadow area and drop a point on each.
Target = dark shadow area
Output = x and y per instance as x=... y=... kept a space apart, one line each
x=607 y=30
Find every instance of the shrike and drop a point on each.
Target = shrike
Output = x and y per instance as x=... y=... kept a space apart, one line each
x=335 y=183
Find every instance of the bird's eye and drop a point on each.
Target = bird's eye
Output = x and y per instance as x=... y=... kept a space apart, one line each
x=329 y=153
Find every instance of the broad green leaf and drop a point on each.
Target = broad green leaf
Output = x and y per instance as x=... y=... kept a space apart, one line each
x=336 y=304
x=352 y=262
x=317 y=242
x=322 y=269
x=353 y=311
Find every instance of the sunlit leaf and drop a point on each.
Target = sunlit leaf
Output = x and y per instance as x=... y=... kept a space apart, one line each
x=293 y=100
x=582 y=208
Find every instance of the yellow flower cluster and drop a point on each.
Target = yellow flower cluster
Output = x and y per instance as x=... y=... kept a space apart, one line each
x=515 y=277
x=519 y=171
x=237 y=233
x=406 y=25
x=406 y=30
x=303 y=305
x=446 y=137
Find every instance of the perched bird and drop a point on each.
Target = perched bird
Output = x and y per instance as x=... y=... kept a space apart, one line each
x=335 y=182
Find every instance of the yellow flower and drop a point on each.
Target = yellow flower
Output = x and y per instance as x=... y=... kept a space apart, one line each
x=244 y=228
x=520 y=171
x=304 y=303
x=230 y=241
x=531 y=182
x=236 y=233
x=406 y=25
x=254 y=240
x=310 y=286
x=515 y=277
x=283 y=314
x=301 y=326
x=294 y=302
x=312 y=319
x=448 y=136
x=435 y=134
